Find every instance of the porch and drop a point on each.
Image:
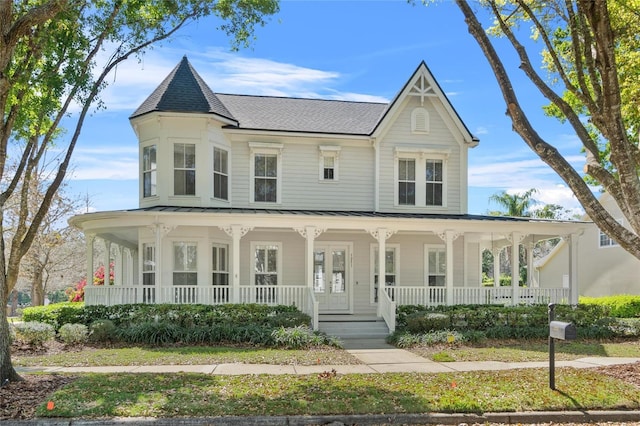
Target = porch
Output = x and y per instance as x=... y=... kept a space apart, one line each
x=304 y=298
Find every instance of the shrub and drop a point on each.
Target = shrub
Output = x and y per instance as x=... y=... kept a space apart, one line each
x=102 y=330
x=620 y=306
x=152 y=333
x=422 y=322
x=300 y=337
x=34 y=333
x=73 y=334
x=55 y=314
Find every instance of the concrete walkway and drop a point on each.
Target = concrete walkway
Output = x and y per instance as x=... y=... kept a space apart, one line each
x=375 y=357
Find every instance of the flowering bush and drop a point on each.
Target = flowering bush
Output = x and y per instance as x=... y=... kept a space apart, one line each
x=72 y=334
x=34 y=333
x=76 y=293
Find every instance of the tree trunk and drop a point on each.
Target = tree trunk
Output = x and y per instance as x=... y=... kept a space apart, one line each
x=7 y=372
x=37 y=289
x=14 y=303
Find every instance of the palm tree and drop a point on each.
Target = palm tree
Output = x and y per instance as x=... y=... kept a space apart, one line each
x=516 y=205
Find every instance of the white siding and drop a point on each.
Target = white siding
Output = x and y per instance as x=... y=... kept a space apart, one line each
x=440 y=138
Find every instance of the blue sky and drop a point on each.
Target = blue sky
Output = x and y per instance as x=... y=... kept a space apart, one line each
x=350 y=50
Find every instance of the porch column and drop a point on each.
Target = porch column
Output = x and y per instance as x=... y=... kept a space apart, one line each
x=496 y=266
x=107 y=262
x=118 y=265
x=573 y=268
x=381 y=235
x=309 y=233
x=516 y=237
x=236 y=232
x=160 y=230
x=449 y=237
x=531 y=279
x=133 y=266
x=90 y=239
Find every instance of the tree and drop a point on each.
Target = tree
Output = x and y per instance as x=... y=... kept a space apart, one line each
x=50 y=59
x=516 y=205
x=590 y=49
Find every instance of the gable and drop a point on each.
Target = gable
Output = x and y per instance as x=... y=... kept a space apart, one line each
x=423 y=87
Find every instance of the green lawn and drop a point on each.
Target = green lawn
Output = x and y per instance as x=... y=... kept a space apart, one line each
x=174 y=395
x=530 y=351
x=189 y=355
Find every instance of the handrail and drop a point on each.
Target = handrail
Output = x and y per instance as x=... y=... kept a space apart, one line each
x=388 y=310
x=313 y=309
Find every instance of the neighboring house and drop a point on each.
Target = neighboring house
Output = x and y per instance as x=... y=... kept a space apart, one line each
x=307 y=202
x=605 y=268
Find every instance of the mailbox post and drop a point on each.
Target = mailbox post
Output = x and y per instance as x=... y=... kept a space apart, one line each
x=557 y=330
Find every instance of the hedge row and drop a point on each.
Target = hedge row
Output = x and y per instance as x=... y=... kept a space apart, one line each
x=184 y=316
x=591 y=321
x=621 y=306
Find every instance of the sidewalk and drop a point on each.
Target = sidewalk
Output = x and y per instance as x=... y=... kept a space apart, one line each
x=374 y=355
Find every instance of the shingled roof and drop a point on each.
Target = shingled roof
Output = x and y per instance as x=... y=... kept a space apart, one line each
x=183 y=90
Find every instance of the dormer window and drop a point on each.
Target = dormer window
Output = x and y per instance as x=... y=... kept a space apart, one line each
x=420 y=176
x=184 y=169
x=420 y=121
x=149 y=171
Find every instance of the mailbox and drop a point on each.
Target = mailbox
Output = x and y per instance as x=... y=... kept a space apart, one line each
x=562 y=330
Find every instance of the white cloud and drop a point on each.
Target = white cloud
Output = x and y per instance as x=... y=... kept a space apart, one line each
x=481 y=130
x=516 y=173
x=105 y=163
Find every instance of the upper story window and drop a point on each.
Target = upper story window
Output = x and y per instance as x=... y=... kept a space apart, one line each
x=149 y=171
x=329 y=163
x=220 y=174
x=407 y=181
x=266 y=172
x=184 y=169
x=605 y=240
x=434 y=182
x=419 y=120
x=413 y=190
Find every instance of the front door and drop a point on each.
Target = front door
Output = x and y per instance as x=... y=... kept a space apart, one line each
x=331 y=278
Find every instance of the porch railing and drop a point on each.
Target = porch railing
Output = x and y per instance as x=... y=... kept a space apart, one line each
x=388 y=309
x=434 y=296
x=311 y=309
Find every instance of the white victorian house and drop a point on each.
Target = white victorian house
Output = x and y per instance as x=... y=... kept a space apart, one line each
x=257 y=199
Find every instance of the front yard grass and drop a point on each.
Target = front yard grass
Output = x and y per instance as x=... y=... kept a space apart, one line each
x=175 y=395
x=188 y=355
x=535 y=350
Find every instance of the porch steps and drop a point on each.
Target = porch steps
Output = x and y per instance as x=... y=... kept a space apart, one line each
x=356 y=328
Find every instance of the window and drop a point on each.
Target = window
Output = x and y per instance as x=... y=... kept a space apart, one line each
x=266 y=172
x=436 y=263
x=329 y=163
x=220 y=174
x=390 y=275
x=148 y=264
x=266 y=264
x=266 y=178
x=184 y=169
x=149 y=167
x=185 y=263
x=605 y=241
x=420 y=120
x=219 y=264
x=406 y=181
x=419 y=175
x=434 y=182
